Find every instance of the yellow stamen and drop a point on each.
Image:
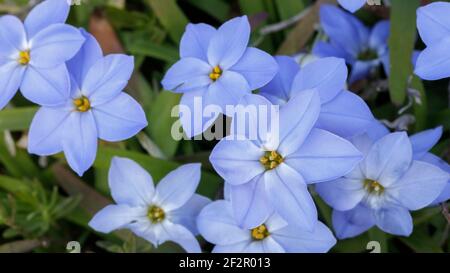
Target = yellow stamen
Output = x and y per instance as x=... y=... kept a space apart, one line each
x=216 y=73
x=156 y=214
x=82 y=104
x=373 y=187
x=270 y=160
x=260 y=233
x=24 y=57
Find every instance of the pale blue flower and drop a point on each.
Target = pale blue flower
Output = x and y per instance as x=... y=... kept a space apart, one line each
x=95 y=108
x=352 y=5
x=433 y=22
x=218 y=226
x=217 y=66
x=165 y=213
x=342 y=112
x=33 y=54
x=382 y=190
x=362 y=48
x=272 y=172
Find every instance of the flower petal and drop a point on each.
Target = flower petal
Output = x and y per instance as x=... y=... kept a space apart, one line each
x=380 y=34
x=12 y=36
x=129 y=183
x=324 y=49
x=289 y=196
x=180 y=235
x=394 y=220
x=187 y=214
x=46 y=131
x=324 y=157
x=107 y=78
x=80 y=141
x=119 y=119
x=176 y=188
x=352 y=5
x=232 y=248
x=45 y=14
x=113 y=217
x=229 y=42
x=433 y=22
x=351 y=223
x=360 y=70
x=46 y=86
x=11 y=77
x=343 y=193
x=434 y=61
x=423 y=142
x=346 y=115
x=188 y=74
x=257 y=67
x=328 y=76
x=195 y=41
x=55 y=45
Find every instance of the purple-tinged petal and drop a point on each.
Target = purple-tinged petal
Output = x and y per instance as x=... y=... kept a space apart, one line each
x=351 y=223
x=352 y=5
x=434 y=61
x=188 y=74
x=113 y=217
x=423 y=142
x=433 y=22
x=377 y=130
x=379 y=35
x=195 y=41
x=45 y=14
x=324 y=50
x=394 y=220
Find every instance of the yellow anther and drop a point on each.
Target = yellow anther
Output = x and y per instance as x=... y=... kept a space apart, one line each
x=82 y=104
x=216 y=73
x=24 y=57
x=156 y=214
x=270 y=160
x=260 y=233
x=373 y=187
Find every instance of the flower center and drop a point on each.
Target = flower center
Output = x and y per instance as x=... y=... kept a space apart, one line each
x=373 y=187
x=215 y=73
x=24 y=57
x=367 y=55
x=271 y=159
x=82 y=104
x=260 y=233
x=156 y=214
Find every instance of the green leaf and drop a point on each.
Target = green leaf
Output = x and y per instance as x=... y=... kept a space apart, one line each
x=401 y=46
x=420 y=110
x=289 y=8
x=170 y=16
x=16 y=119
x=139 y=44
x=218 y=9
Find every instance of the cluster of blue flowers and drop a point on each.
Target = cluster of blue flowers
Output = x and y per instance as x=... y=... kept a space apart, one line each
x=327 y=139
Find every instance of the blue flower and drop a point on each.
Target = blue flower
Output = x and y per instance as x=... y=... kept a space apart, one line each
x=434 y=28
x=33 y=54
x=95 y=108
x=342 y=112
x=167 y=213
x=218 y=226
x=352 y=5
x=382 y=190
x=351 y=40
x=272 y=173
x=217 y=66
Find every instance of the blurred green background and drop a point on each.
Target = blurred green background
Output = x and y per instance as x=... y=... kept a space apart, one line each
x=44 y=205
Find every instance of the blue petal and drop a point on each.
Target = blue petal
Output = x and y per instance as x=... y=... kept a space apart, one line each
x=45 y=14
x=433 y=22
x=237 y=161
x=80 y=141
x=423 y=142
x=12 y=36
x=323 y=50
x=46 y=86
x=188 y=74
x=434 y=62
x=437 y=161
x=195 y=41
x=394 y=220
x=324 y=157
x=346 y=115
x=86 y=57
x=232 y=248
x=107 y=78
x=388 y=159
x=119 y=119
x=297 y=118
x=187 y=214
x=294 y=240
x=250 y=203
x=218 y=226
x=269 y=245
x=420 y=185
x=46 y=131
x=180 y=235
x=360 y=70
x=257 y=67
x=352 y=5
x=328 y=76
x=280 y=85
x=289 y=196
x=114 y=217
x=379 y=35
x=229 y=43
x=342 y=194
x=377 y=130
x=55 y=45
x=351 y=223
x=11 y=77
x=129 y=183
x=178 y=187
